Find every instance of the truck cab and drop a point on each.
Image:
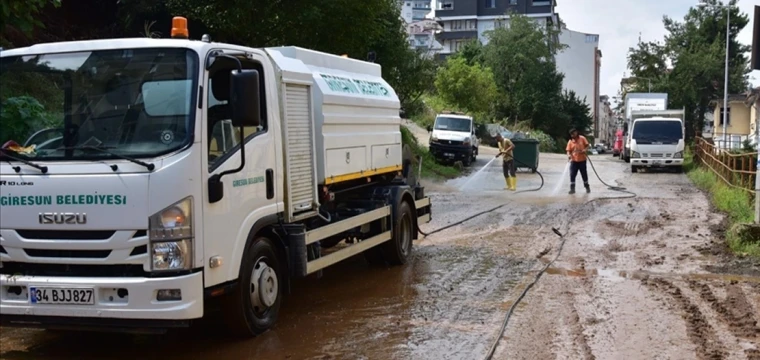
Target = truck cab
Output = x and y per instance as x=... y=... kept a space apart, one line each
x=142 y=178
x=453 y=138
x=657 y=141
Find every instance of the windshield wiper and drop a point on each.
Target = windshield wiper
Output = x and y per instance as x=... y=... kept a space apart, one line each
x=149 y=166
x=6 y=153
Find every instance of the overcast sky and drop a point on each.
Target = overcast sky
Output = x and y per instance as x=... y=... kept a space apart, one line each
x=618 y=23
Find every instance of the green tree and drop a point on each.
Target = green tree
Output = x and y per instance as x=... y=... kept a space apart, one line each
x=522 y=59
x=468 y=88
x=576 y=112
x=695 y=47
x=21 y=14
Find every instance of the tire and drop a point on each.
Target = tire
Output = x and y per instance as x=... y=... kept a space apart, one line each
x=397 y=250
x=474 y=154
x=243 y=314
x=634 y=169
x=678 y=169
x=467 y=160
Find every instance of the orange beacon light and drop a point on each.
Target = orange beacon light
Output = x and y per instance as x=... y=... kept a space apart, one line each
x=179 y=28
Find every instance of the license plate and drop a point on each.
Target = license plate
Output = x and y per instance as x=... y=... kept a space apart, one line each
x=62 y=296
x=656 y=162
x=448 y=155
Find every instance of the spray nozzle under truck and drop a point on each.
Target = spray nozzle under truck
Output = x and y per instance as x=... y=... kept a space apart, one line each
x=148 y=207
x=657 y=139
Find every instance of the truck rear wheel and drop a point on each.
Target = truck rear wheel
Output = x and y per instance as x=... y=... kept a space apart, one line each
x=253 y=307
x=398 y=249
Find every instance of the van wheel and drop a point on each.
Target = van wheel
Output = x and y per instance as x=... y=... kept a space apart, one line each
x=634 y=169
x=253 y=307
x=398 y=249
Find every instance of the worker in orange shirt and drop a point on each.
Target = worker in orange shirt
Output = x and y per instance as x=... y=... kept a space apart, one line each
x=576 y=154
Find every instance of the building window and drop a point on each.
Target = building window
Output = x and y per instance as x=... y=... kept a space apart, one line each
x=456 y=25
x=501 y=24
x=512 y=2
x=470 y=24
x=445 y=5
x=542 y=2
x=728 y=115
x=458 y=45
x=592 y=38
x=490 y=4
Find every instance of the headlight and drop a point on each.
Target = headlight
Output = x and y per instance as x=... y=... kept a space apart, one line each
x=635 y=155
x=171 y=237
x=678 y=155
x=433 y=138
x=467 y=142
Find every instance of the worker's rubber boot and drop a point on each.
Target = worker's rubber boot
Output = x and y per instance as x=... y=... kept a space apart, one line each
x=513 y=183
x=506 y=180
x=588 y=188
x=572 y=189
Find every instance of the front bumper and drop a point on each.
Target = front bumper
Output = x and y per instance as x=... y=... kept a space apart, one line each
x=661 y=162
x=450 y=152
x=140 y=304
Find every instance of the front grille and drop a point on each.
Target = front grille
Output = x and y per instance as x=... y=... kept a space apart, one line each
x=72 y=254
x=33 y=269
x=451 y=142
x=65 y=234
x=656 y=155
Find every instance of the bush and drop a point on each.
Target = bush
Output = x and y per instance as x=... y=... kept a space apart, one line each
x=22 y=116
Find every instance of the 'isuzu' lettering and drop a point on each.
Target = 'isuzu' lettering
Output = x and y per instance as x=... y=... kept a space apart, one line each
x=35 y=200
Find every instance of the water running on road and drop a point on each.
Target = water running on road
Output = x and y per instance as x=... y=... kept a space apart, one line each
x=476 y=174
x=562 y=180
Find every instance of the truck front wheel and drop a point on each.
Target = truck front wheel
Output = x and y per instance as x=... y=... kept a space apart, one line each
x=253 y=307
x=398 y=249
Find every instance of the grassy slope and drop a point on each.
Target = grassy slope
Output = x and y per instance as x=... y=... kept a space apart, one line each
x=735 y=203
x=430 y=169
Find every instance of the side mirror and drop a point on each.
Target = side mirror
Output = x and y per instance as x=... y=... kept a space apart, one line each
x=429 y=128
x=215 y=188
x=245 y=101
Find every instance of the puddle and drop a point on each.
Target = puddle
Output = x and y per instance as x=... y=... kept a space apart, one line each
x=619 y=275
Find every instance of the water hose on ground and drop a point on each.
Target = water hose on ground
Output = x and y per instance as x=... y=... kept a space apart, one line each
x=525 y=292
x=485 y=211
x=555 y=230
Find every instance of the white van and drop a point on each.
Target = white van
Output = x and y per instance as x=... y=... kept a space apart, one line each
x=453 y=138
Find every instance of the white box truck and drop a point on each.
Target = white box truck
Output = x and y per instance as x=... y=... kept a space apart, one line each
x=657 y=139
x=639 y=102
x=130 y=204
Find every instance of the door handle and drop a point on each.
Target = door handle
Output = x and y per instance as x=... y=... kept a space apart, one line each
x=270 y=183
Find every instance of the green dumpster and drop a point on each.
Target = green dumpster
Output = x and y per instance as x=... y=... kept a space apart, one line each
x=526 y=154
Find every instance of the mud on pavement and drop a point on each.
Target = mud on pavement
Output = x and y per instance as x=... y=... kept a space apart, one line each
x=631 y=283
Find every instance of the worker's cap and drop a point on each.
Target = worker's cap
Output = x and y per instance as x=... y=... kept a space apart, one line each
x=573 y=130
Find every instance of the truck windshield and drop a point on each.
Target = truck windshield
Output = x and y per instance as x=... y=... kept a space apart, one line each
x=664 y=132
x=129 y=102
x=452 y=124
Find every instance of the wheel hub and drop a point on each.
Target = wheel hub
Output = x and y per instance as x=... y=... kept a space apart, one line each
x=264 y=286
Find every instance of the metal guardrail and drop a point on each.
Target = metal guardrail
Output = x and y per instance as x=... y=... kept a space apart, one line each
x=737 y=170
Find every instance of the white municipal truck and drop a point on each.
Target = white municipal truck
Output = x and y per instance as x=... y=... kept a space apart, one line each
x=639 y=102
x=126 y=202
x=657 y=139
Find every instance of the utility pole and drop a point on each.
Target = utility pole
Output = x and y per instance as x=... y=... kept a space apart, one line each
x=725 y=81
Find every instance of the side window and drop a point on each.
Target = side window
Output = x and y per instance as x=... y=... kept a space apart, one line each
x=223 y=138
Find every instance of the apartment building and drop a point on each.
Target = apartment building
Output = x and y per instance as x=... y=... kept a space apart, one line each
x=467 y=20
x=581 y=64
x=420 y=29
x=606 y=125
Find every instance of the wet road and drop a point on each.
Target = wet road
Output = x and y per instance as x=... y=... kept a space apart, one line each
x=630 y=283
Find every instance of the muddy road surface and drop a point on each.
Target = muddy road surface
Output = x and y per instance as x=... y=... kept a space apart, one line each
x=631 y=282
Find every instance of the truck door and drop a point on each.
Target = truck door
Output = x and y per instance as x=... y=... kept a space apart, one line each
x=249 y=194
